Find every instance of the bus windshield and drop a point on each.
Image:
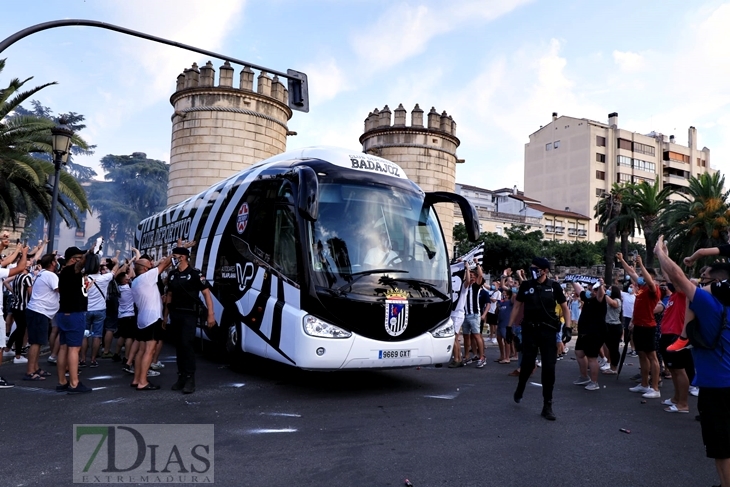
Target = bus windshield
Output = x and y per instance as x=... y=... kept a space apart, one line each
x=369 y=239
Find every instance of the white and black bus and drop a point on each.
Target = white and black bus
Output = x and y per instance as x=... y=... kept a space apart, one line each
x=321 y=258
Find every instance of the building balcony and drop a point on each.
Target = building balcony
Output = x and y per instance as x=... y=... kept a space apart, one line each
x=505 y=217
x=671 y=179
x=549 y=229
x=559 y=230
x=675 y=164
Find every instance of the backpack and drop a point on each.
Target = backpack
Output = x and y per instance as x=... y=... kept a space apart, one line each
x=112 y=290
x=697 y=340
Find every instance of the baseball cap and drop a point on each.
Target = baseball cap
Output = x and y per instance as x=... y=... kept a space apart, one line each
x=71 y=251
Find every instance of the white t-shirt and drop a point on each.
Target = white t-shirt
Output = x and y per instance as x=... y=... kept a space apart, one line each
x=461 y=302
x=147 y=298
x=45 y=299
x=493 y=304
x=126 y=301
x=97 y=302
x=628 y=299
x=4 y=273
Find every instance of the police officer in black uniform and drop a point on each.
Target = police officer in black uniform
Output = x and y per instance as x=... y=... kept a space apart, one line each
x=540 y=325
x=183 y=302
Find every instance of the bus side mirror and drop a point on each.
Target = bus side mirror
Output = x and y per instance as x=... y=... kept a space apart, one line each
x=308 y=200
x=471 y=219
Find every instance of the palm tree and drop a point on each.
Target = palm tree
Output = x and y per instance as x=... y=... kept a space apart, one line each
x=700 y=219
x=647 y=202
x=22 y=176
x=607 y=211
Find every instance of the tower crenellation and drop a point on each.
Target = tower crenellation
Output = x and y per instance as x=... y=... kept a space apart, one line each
x=219 y=129
x=427 y=154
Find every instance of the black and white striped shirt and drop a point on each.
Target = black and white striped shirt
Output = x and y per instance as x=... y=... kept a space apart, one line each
x=21 y=284
x=472 y=299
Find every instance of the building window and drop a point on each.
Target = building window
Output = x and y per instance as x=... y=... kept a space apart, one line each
x=623 y=178
x=623 y=161
x=556 y=144
x=675 y=156
x=600 y=157
x=644 y=149
x=600 y=141
x=644 y=165
x=601 y=175
x=600 y=192
x=623 y=144
x=549 y=146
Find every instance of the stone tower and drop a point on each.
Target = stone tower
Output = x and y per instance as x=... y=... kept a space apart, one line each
x=218 y=130
x=427 y=153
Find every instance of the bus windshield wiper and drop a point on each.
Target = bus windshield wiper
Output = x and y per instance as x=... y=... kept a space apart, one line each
x=358 y=275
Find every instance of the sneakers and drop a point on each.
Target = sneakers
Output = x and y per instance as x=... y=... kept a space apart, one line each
x=157 y=365
x=601 y=361
x=695 y=391
x=94 y=364
x=679 y=344
x=632 y=353
x=116 y=358
x=605 y=366
x=5 y=384
x=592 y=386
x=481 y=363
x=62 y=387
x=640 y=388
x=8 y=353
x=82 y=364
x=20 y=360
x=581 y=381
x=538 y=363
x=652 y=394
x=470 y=360
x=181 y=379
x=635 y=377
x=152 y=373
x=107 y=355
x=51 y=359
x=494 y=340
x=189 y=386
x=128 y=369
x=452 y=365
x=79 y=389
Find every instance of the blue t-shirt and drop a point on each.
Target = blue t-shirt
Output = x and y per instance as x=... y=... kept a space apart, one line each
x=575 y=310
x=712 y=366
x=505 y=310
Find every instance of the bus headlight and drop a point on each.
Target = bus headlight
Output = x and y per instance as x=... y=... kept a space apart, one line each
x=444 y=330
x=315 y=327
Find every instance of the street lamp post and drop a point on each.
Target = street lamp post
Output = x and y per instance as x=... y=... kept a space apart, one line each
x=61 y=143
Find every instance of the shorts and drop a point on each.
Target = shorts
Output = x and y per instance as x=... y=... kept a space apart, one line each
x=458 y=320
x=110 y=322
x=37 y=327
x=471 y=325
x=714 y=407
x=71 y=327
x=491 y=319
x=589 y=345
x=675 y=360
x=150 y=333
x=502 y=330
x=644 y=338
x=127 y=327
x=95 y=323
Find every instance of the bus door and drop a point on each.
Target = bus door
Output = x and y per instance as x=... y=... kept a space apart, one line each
x=270 y=306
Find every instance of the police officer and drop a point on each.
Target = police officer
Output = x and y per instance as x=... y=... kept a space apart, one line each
x=183 y=288
x=538 y=296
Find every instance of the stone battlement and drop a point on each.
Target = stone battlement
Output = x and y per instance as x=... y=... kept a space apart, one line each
x=204 y=77
x=382 y=119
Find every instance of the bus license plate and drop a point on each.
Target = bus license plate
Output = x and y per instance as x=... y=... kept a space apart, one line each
x=391 y=354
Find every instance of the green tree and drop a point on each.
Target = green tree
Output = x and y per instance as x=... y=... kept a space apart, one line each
x=607 y=212
x=135 y=188
x=700 y=219
x=22 y=176
x=647 y=202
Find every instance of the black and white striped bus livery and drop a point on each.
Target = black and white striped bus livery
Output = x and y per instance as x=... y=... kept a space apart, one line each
x=321 y=258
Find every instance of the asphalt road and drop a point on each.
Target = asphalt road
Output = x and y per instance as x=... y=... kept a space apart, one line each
x=277 y=426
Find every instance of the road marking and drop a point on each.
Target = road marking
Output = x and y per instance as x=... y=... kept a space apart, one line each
x=235 y=384
x=35 y=389
x=286 y=415
x=536 y=384
x=113 y=401
x=101 y=377
x=259 y=431
x=452 y=395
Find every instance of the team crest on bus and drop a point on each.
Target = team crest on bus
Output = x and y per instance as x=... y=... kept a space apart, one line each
x=396 y=312
x=242 y=218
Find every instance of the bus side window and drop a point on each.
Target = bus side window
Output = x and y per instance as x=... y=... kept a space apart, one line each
x=285 y=242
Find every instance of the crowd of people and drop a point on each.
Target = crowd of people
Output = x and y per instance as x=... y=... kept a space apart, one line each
x=675 y=325
x=84 y=309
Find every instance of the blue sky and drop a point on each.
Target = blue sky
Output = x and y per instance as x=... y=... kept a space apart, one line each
x=500 y=67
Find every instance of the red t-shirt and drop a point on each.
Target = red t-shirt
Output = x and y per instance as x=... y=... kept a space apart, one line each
x=646 y=301
x=673 y=318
